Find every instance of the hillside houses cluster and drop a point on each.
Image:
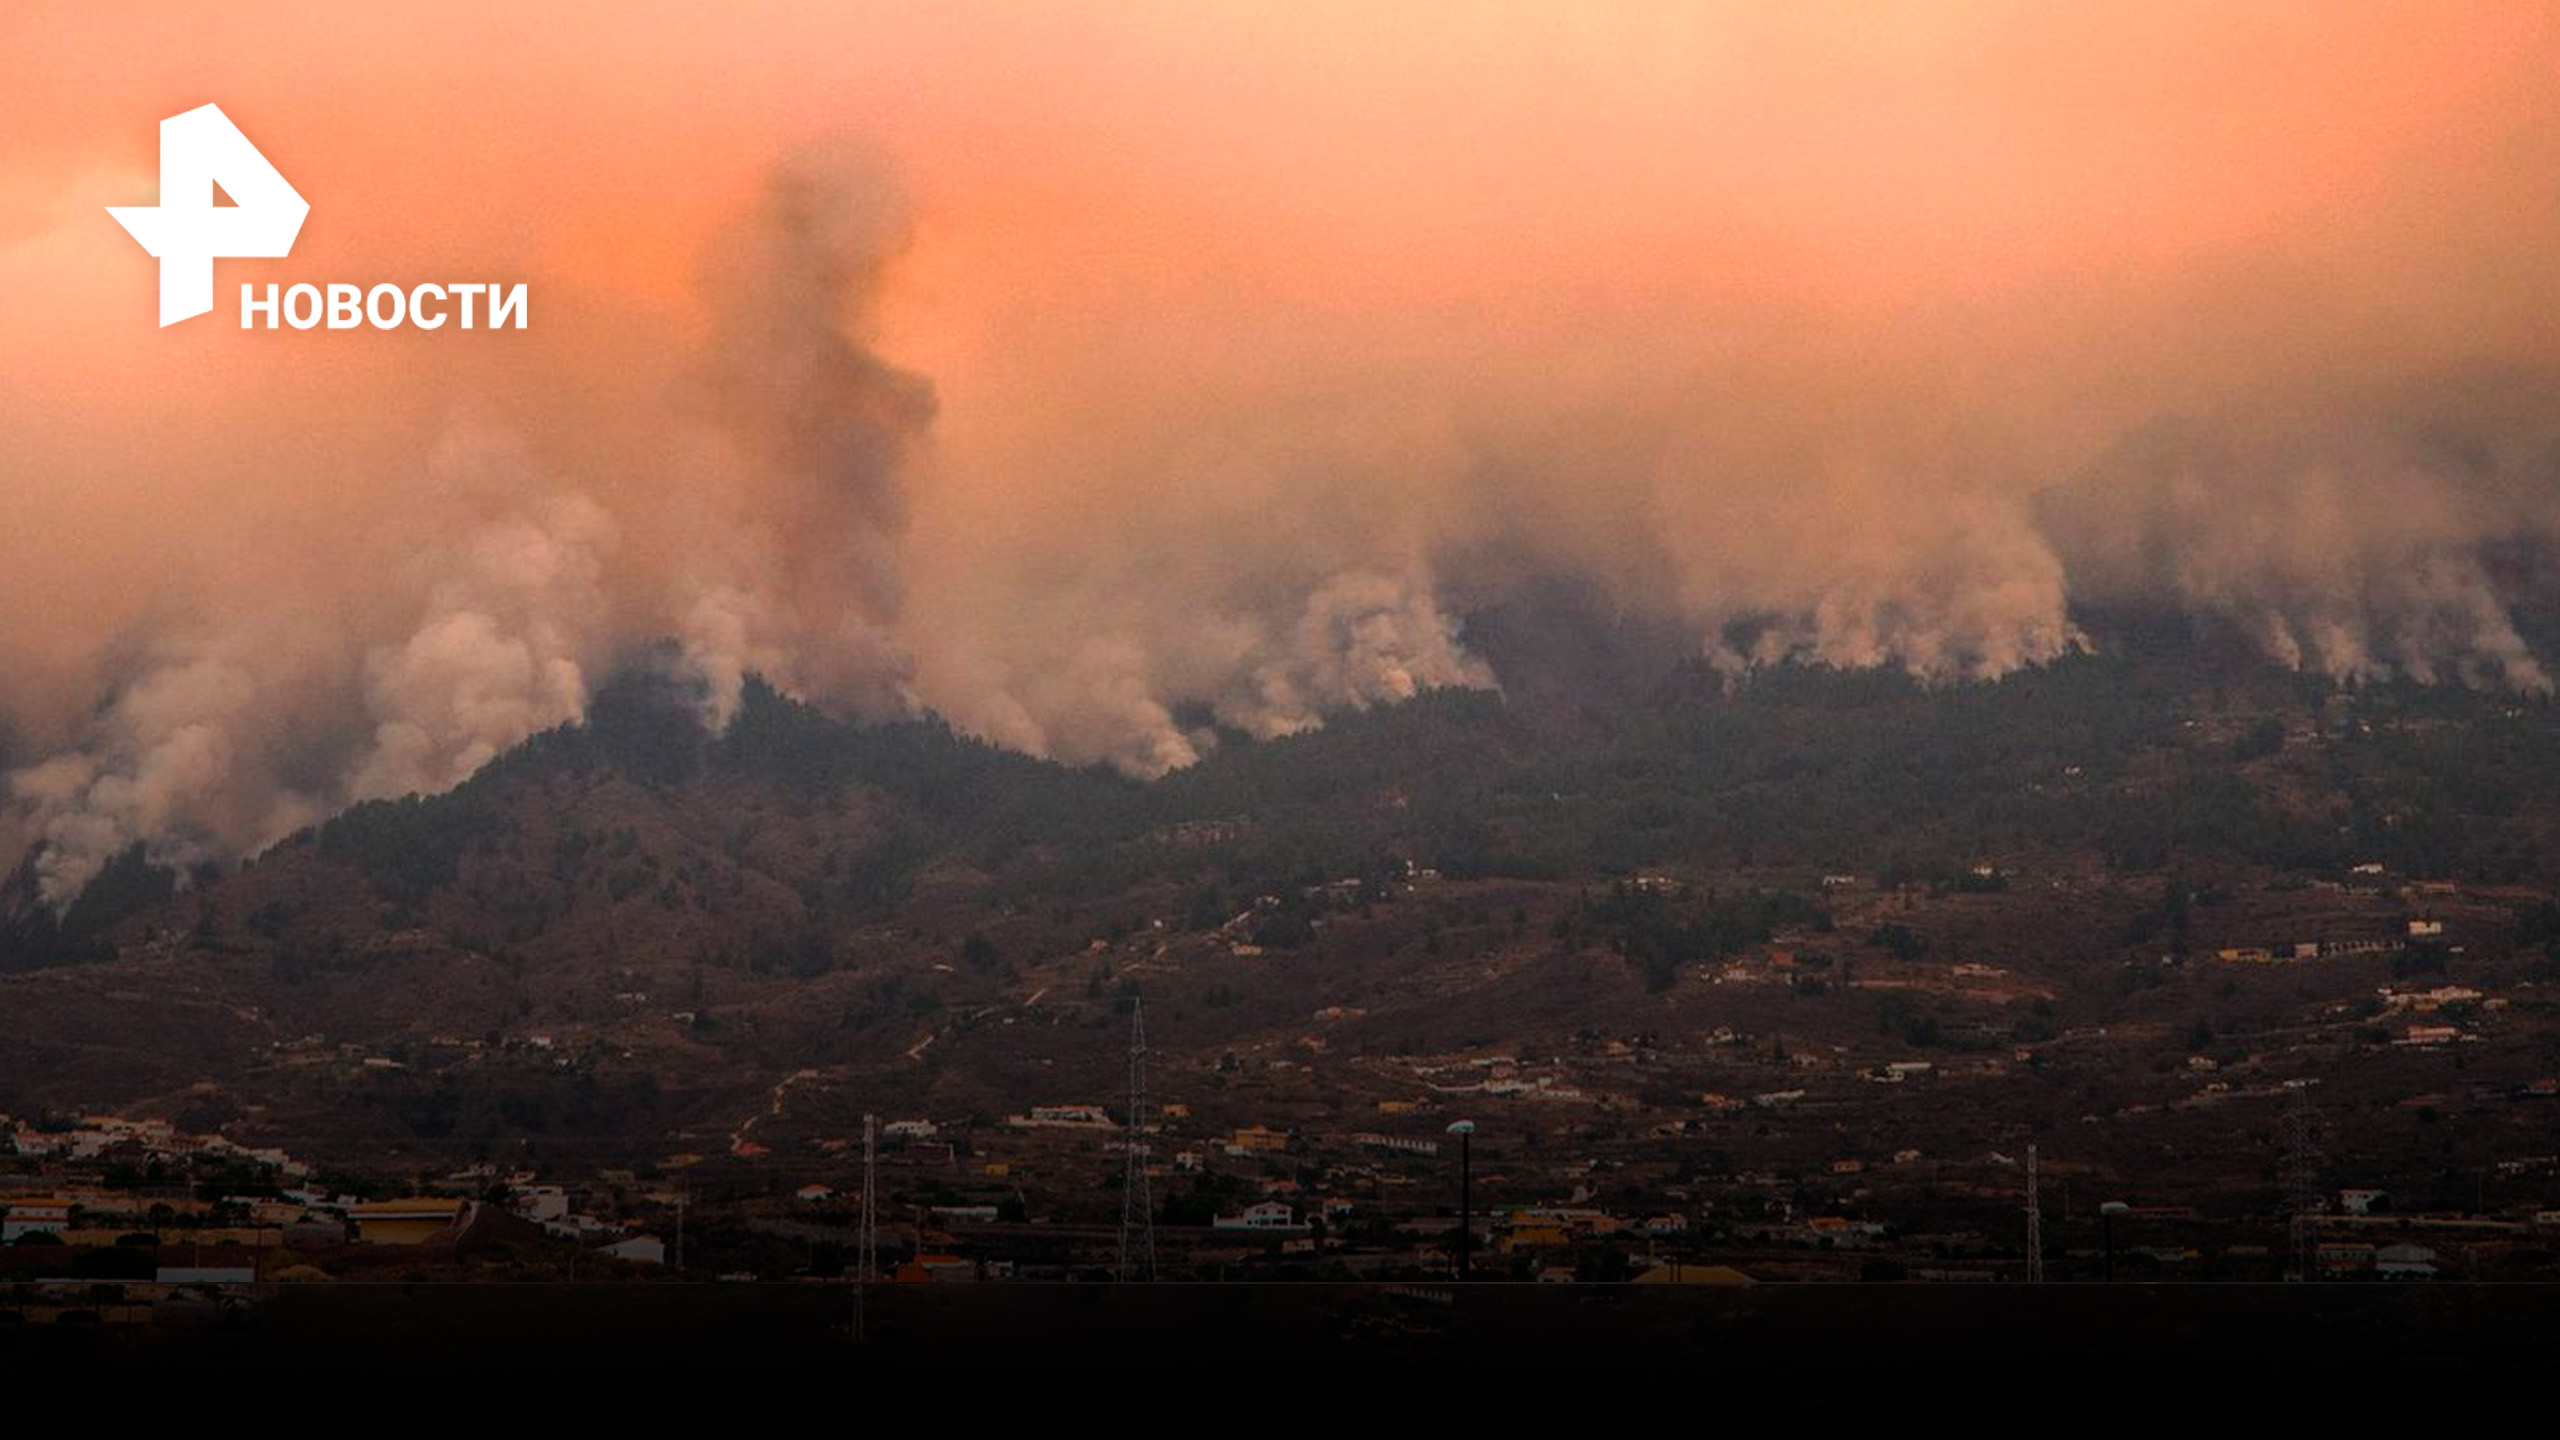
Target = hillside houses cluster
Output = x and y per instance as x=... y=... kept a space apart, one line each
x=111 y=1183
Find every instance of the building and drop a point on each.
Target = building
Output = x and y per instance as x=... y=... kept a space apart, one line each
x=35 y=1217
x=1259 y=1140
x=1269 y=1215
x=1676 y=1272
x=2405 y=1262
x=1079 y=1117
x=410 y=1222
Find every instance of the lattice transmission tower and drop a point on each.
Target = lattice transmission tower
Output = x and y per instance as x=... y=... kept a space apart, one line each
x=866 y=1245
x=2035 y=1224
x=1137 y=1207
x=2298 y=1171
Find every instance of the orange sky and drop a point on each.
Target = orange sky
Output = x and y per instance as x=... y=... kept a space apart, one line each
x=1241 y=322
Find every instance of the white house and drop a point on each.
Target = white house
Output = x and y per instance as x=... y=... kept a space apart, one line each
x=1269 y=1215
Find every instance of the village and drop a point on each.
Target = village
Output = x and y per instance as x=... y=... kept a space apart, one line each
x=2367 y=1097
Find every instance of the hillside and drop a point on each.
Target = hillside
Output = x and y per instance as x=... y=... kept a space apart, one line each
x=630 y=938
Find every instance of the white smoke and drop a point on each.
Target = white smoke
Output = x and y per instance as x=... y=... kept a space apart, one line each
x=492 y=593
x=502 y=650
x=229 y=740
x=2352 y=552
x=1363 y=639
x=180 y=761
x=1114 y=695
x=1825 y=560
x=1786 y=358
x=1100 y=703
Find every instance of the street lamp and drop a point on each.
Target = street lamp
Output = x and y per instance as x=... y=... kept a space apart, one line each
x=1465 y=1131
x=2107 y=1214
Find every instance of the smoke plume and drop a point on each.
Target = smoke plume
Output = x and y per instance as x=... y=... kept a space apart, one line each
x=1108 y=382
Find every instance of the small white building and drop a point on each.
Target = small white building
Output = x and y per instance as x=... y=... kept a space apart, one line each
x=1269 y=1215
x=1077 y=1117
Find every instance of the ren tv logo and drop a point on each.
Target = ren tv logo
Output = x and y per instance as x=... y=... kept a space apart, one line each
x=187 y=232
